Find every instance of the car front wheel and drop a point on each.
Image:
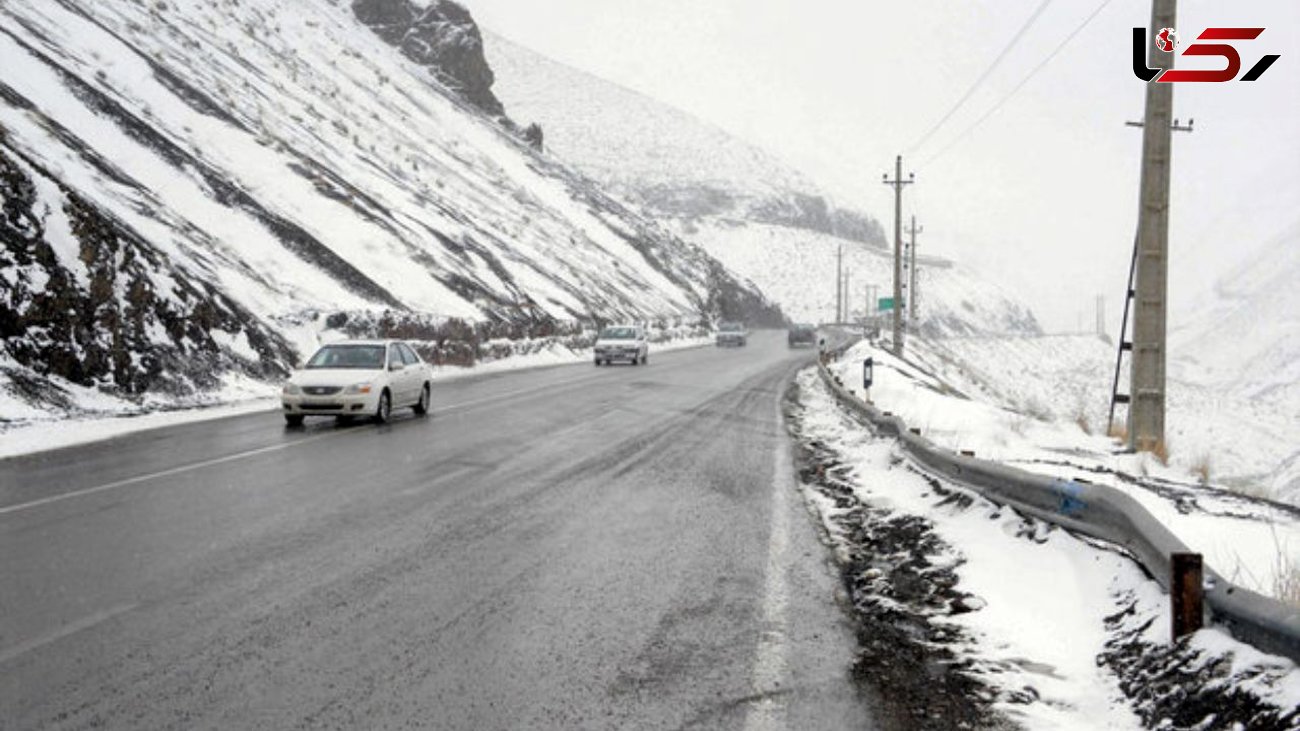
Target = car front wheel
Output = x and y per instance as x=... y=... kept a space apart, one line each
x=385 y=410
x=293 y=419
x=422 y=406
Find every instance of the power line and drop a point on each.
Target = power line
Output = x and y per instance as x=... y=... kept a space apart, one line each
x=1032 y=73
x=984 y=76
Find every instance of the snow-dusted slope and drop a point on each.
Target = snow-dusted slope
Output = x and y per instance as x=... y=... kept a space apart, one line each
x=1243 y=350
x=1247 y=336
x=263 y=163
x=1228 y=438
x=796 y=268
x=766 y=222
x=657 y=156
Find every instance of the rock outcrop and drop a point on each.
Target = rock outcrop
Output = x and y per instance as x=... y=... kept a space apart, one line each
x=89 y=301
x=441 y=36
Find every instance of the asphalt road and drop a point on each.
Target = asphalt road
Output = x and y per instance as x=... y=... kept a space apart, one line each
x=570 y=547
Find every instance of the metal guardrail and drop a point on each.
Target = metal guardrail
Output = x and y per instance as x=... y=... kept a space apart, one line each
x=1101 y=512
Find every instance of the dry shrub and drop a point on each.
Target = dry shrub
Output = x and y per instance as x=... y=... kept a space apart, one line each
x=1286 y=581
x=1203 y=467
x=1161 y=452
x=1081 y=418
x=1118 y=431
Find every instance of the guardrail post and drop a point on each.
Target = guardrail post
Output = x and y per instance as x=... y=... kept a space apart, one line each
x=1186 y=595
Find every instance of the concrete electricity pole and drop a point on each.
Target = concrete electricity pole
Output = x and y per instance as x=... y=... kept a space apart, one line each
x=911 y=290
x=898 y=184
x=845 y=289
x=1146 y=414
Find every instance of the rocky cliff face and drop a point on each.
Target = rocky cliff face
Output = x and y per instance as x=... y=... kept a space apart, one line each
x=90 y=301
x=441 y=36
x=191 y=190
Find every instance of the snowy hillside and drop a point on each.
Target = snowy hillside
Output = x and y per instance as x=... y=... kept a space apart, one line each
x=766 y=222
x=191 y=187
x=1247 y=335
x=796 y=268
x=657 y=156
x=1230 y=439
x=1243 y=347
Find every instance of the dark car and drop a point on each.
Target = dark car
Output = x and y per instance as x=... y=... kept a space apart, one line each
x=732 y=334
x=801 y=335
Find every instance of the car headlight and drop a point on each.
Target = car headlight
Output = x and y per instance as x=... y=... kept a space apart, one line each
x=358 y=388
x=291 y=389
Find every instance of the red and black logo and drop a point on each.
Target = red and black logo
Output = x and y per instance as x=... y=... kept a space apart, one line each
x=1167 y=40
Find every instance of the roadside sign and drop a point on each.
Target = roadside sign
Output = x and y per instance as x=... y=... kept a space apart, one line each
x=885 y=304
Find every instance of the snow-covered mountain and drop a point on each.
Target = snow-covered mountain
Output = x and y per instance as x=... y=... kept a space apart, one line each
x=192 y=187
x=1246 y=337
x=659 y=157
x=767 y=222
x=1243 y=347
x=796 y=268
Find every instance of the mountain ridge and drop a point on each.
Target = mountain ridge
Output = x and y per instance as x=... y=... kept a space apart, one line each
x=284 y=162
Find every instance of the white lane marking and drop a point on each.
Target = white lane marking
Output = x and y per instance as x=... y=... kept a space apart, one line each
x=71 y=628
x=20 y=507
x=768 y=676
x=163 y=473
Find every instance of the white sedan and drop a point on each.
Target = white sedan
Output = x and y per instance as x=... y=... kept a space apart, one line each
x=622 y=342
x=358 y=378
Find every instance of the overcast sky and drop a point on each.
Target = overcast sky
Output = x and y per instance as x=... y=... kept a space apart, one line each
x=1043 y=194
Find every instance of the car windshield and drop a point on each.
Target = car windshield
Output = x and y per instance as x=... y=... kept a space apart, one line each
x=618 y=333
x=368 y=357
x=731 y=327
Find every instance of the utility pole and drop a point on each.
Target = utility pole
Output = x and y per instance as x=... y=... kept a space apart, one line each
x=839 y=282
x=898 y=184
x=845 y=288
x=911 y=291
x=1146 y=414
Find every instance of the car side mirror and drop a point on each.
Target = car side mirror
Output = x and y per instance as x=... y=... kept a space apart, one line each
x=396 y=366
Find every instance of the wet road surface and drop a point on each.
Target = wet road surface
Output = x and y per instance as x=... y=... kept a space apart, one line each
x=572 y=547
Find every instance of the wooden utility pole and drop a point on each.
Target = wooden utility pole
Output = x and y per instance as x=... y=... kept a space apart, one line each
x=1146 y=413
x=911 y=290
x=898 y=184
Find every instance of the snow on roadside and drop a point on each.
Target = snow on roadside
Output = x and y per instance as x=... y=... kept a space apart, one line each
x=1059 y=629
x=25 y=429
x=1242 y=434
x=1040 y=594
x=1251 y=541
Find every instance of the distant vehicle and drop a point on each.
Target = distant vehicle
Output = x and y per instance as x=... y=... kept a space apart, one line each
x=801 y=335
x=732 y=333
x=622 y=342
x=358 y=378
